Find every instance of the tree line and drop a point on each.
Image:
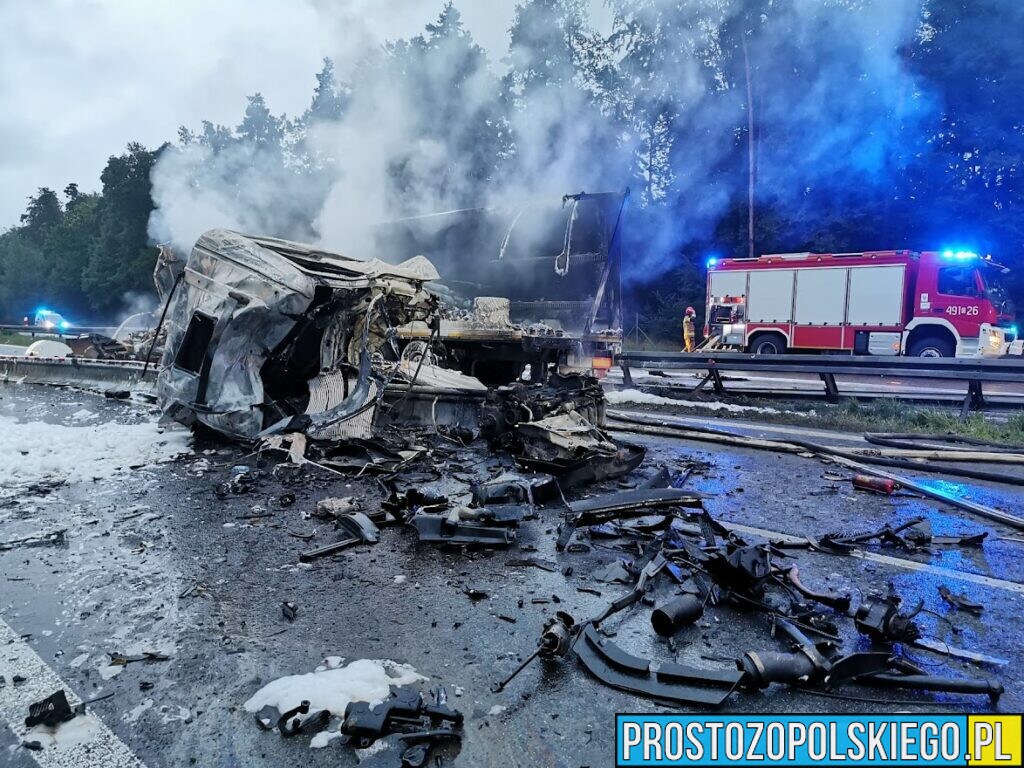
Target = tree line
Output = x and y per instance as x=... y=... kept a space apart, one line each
x=833 y=126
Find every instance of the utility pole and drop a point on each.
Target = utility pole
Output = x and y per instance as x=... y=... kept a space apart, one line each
x=751 y=164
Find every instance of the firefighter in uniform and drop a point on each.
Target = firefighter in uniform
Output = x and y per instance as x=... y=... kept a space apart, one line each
x=689 y=332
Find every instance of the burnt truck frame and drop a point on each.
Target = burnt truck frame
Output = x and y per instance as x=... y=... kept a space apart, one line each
x=267 y=336
x=558 y=267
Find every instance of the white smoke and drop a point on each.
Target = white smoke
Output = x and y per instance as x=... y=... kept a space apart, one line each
x=668 y=118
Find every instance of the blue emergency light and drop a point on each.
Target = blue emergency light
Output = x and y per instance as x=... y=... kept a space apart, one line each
x=959 y=255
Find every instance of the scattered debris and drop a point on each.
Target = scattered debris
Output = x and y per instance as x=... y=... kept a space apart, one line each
x=55 y=537
x=52 y=711
x=356 y=528
x=879 y=619
x=450 y=529
x=329 y=690
x=876 y=484
x=669 y=618
x=289 y=610
x=676 y=683
x=960 y=602
x=554 y=641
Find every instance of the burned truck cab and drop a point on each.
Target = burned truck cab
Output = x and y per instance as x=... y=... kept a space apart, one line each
x=267 y=335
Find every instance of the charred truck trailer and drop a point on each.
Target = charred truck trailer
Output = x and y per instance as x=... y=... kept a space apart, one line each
x=534 y=285
x=267 y=336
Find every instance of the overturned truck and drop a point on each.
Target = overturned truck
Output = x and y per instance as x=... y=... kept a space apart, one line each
x=267 y=336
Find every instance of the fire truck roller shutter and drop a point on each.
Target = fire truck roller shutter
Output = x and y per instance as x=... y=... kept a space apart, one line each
x=821 y=296
x=728 y=284
x=771 y=296
x=876 y=296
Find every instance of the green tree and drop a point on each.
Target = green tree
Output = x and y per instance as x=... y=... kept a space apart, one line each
x=67 y=251
x=329 y=97
x=121 y=259
x=260 y=127
x=43 y=213
x=22 y=267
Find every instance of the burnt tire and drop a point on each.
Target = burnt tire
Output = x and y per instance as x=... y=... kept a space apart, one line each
x=932 y=346
x=769 y=344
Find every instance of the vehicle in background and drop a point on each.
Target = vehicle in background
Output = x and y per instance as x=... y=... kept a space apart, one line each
x=45 y=318
x=534 y=285
x=929 y=304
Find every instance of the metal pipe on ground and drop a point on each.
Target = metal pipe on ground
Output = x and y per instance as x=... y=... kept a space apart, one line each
x=627 y=423
x=844 y=458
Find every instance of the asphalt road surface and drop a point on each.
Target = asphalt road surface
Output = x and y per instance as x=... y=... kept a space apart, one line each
x=155 y=560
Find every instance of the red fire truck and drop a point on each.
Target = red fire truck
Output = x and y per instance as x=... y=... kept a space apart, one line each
x=930 y=304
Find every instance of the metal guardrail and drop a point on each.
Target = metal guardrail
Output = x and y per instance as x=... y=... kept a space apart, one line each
x=973 y=371
x=72 y=330
x=75 y=371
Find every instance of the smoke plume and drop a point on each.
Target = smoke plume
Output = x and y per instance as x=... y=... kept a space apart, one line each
x=430 y=123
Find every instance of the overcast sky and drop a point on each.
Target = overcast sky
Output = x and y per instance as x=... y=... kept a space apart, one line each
x=81 y=78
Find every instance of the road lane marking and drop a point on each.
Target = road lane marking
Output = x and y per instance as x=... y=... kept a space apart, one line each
x=103 y=749
x=912 y=565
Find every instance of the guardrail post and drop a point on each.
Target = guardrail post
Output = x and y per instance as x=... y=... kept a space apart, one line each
x=716 y=380
x=975 y=400
x=627 y=377
x=831 y=390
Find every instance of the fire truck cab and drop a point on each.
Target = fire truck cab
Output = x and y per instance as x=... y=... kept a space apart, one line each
x=928 y=304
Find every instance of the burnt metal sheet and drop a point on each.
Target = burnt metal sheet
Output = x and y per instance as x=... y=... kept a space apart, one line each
x=630 y=503
x=676 y=683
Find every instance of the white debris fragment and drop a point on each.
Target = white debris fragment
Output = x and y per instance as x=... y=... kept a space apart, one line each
x=133 y=714
x=332 y=689
x=400 y=579
x=82 y=415
x=497 y=709
x=35 y=451
x=175 y=714
x=78 y=660
x=109 y=671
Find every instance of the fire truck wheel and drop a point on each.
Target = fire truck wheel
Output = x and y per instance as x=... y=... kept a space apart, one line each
x=768 y=344
x=931 y=347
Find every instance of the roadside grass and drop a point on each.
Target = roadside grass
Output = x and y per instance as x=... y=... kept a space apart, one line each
x=892 y=415
x=8 y=337
x=879 y=415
